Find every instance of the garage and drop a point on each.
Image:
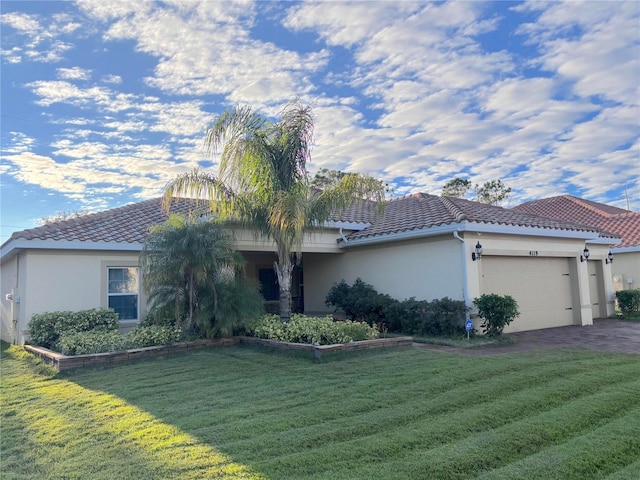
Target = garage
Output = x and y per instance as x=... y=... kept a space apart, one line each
x=540 y=285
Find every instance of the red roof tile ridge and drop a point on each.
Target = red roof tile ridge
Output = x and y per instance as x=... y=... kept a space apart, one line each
x=457 y=213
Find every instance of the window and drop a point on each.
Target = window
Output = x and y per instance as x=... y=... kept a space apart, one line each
x=122 y=292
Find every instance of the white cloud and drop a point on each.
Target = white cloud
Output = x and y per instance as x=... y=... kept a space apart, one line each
x=74 y=73
x=115 y=79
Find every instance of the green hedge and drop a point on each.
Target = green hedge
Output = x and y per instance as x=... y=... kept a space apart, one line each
x=360 y=301
x=46 y=328
x=628 y=300
x=312 y=330
x=82 y=343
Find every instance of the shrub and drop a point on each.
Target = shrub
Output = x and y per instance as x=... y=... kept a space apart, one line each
x=359 y=302
x=496 y=312
x=82 y=343
x=159 y=317
x=448 y=316
x=444 y=317
x=46 y=328
x=97 y=341
x=628 y=300
x=311 y=330
x=150 y=336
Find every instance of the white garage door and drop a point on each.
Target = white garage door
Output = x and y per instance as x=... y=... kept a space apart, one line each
x=541 y=286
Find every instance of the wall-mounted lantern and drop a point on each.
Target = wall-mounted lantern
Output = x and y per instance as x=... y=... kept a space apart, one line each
x=585 y=255
x=477 y=255
x=609 y=258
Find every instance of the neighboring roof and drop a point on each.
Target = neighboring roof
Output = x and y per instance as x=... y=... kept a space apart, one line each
x=422 y=211
x=128 y=224
x=624 y=223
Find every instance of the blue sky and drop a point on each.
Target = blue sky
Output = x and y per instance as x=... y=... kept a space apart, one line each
x=103 y=103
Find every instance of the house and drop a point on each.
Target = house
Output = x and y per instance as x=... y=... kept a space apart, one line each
x=422 y=246
x=623 y=223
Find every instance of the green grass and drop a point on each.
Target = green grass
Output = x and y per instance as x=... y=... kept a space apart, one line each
x=242 y=412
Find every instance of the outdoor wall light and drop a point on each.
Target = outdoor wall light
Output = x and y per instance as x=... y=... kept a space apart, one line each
x=477 y=255
x=609 y=258
x=585 y=255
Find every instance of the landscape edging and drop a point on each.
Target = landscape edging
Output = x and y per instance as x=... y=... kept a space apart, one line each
x=64 y=362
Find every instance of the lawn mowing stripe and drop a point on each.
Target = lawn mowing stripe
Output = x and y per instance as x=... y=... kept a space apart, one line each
x=630 y=472
x=512 y=440
x=613 y=447
x=463 y=397
x=130 y=437
x=273 y=390
x=293 y=397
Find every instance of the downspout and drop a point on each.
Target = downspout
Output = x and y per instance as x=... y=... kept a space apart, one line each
x=344 y=239
x=465 y=292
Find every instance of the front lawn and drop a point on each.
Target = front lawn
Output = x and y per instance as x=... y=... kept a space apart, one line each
x=242 y=412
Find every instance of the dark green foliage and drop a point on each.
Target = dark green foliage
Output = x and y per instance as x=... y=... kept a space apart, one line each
x=312 y=330
x=444 y=317
x=195 y=278
x=628 y=300
x=359 y=302
x=271 y=306
x=496 y=311
x=82 y=343
x=362 y=302
x=46 y=328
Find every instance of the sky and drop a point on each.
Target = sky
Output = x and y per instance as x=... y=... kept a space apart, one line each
x=103 y=103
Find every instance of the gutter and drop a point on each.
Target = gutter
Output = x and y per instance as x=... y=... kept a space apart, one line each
x=344 y=239
x=14 y=246
x=589 y=235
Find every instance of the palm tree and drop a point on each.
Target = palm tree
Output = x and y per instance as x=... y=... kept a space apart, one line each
x=189 y=268
x=263 y=183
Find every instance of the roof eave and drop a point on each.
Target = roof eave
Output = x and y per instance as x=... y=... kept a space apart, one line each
x=13 y=246
x=591 y=236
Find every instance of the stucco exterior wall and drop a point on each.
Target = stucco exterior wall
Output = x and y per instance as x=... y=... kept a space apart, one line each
x=626 y=270
x=426 y=268
x=10 y=301
x=315 y=241
x=52 y=280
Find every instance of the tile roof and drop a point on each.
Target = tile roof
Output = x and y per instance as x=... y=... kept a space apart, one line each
x=421 y=210
x=128 y=224
x=131 y=223
x=607 y=218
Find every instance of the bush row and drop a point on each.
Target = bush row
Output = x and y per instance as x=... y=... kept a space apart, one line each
x=312 y=330
x=99 y=341
x=45 y=329
x=361 y=301
x=628 y=300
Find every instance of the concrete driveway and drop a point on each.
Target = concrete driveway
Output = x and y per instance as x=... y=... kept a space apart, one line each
x=605 y=335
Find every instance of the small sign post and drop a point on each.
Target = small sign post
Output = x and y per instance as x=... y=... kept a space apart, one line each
x=468 y=326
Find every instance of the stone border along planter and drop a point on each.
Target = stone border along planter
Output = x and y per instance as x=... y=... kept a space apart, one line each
x=65 y=362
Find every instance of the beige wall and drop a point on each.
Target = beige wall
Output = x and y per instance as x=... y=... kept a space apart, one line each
x=626 y=266
x=549 y=247
x=426 y=268
x=10 y=310
x=52 y=280
x=317 y=241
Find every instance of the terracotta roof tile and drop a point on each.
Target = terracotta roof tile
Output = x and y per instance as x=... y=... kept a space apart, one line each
x=131 y=223
x=618 y=221
x=419 y=211
x=128 y=224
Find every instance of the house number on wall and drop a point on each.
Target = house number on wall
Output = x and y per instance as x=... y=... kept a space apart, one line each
x=533 y=253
